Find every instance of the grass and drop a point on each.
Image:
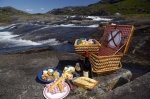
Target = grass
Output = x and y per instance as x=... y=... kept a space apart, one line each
x=135 y=9
x=6 y=15
x=136 y=16
x=124 y=7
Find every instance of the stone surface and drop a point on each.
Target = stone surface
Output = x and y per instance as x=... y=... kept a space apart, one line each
x=106 y=84
x=113 y=80
x=137 y=89
x=18 y=75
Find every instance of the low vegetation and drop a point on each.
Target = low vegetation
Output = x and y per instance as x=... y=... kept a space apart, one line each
x=137 y=9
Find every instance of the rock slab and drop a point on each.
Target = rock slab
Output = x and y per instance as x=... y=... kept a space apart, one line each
x=18 y=76
x=137 y=89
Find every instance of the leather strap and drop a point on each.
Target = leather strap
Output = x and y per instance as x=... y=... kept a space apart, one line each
x=112 y=38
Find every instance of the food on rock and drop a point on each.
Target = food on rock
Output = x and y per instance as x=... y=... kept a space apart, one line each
x=85 y=82
x=58 y=84
x=86 y=42
x=50 y=74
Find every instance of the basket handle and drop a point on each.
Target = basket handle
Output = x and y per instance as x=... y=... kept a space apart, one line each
x=119 y=49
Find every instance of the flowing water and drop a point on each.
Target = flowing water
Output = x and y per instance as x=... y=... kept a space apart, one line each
x=19 y=37
x=25 y=36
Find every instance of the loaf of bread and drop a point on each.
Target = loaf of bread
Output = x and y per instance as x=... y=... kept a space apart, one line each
x=61 y=86
x=51 y=87
x=56 y=74
x=85 y=82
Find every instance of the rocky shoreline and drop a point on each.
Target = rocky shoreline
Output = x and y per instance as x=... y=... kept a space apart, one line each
x=18 y=70
x=18 y=75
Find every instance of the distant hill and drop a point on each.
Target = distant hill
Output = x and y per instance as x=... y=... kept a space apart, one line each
x=10 y=15
x=6 y=13
x=138 y=9
x=107 y=7
x=11 y=10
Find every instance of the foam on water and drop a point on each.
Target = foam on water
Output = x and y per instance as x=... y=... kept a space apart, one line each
x=11 y=40
x=8 y=37
x=40 y=29
x=73 y=25
x=1 y=28
x=94 y=26
x=97 y=18
x=52 y=41
x=64 y=25
x=9 y=26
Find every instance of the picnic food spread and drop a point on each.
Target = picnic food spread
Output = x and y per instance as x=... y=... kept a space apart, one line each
x=69 y=69
x=85 y=82
x=82 y=46
x=50 y=74
x=77 y=67
x=85 y=42
x=98 y=61
x=59 y=82
x=59 y=87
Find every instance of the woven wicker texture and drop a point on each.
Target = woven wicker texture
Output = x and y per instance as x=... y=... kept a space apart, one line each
x=108 y=59
x=84 y=49
x=126 y=33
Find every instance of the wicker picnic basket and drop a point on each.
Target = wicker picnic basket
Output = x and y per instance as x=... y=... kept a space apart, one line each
x=91 y=48
x=103 y=64
x=108 y=59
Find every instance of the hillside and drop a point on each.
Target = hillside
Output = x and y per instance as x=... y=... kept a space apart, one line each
x=11 y=15
x=108 y=7
x=6 y=13
x=131 y=9
x=11 y=10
